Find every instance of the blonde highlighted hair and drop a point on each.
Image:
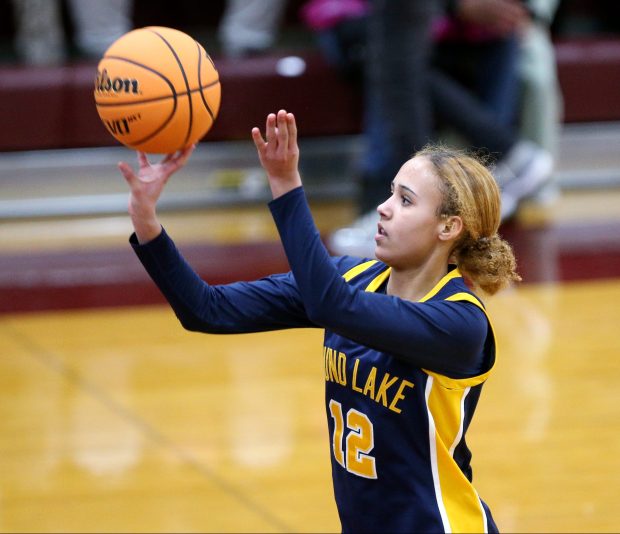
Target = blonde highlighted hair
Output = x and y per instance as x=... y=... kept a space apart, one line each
x=471 y=192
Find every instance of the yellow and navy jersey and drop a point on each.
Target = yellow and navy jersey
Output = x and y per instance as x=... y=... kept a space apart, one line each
x=402 y=378
x=400 y=462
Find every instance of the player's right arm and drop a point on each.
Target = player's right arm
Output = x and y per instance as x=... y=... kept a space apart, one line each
x=268 y=304
x=272 y=303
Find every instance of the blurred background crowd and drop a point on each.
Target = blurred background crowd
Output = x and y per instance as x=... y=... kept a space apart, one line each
x=479 y=72
x=499 y=77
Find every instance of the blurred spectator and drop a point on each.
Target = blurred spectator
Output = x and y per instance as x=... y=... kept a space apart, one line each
x=541 y=105
x=406 y=93
x=527 y=97
x=340 y=27
x=398 y=106
x=249 y=27
x=477 y=44
x=40 y=35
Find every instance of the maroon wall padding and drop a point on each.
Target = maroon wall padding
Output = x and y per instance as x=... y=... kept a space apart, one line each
x=102 y=278
x=323 y=103
x=589 y=75
x=106 y=278
x=565 y=252
x=53 y=107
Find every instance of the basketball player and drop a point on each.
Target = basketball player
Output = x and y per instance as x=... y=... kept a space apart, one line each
x=408 y=345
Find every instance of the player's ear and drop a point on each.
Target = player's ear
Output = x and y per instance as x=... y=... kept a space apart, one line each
x=450 y=228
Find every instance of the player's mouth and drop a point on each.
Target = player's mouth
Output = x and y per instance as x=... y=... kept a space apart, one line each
x=381 y=233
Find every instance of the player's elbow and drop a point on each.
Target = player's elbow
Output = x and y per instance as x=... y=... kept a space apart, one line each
x=190 y=324
x=315 y=313
x=329 y=305
x=193 y=323
x=326 y=314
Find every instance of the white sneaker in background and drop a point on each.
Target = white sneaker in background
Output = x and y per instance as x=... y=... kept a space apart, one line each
x=548 y=194
x=356 y=240
x=524 y=171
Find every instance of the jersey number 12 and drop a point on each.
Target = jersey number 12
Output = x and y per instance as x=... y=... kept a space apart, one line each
x=352 y=450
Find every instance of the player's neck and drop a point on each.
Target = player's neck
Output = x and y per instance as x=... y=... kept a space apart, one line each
x=415 y=283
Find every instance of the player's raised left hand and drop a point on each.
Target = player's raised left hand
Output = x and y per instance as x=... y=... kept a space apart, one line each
x=278 y=152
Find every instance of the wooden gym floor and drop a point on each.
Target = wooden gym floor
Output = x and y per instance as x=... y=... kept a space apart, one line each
x=114 y=419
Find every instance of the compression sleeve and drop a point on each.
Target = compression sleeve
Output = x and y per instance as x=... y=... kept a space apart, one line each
x=271 y=303
x=441 y=336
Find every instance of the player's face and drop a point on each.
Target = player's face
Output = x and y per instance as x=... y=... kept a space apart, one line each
x=408 y=226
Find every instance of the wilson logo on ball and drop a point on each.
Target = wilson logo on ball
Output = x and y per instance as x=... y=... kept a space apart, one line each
x=105 y=84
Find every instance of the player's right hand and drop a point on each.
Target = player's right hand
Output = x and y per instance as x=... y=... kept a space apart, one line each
x=146 y=187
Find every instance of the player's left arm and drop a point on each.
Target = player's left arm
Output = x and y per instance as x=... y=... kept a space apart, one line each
x=446 y=337
x=441 y=336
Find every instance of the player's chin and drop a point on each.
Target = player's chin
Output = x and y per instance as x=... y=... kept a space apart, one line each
x=381 y=253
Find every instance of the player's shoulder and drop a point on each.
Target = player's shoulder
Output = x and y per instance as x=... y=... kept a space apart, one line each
x=453 y=287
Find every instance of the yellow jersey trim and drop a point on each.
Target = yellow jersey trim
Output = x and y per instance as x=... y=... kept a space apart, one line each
x=378 y=280
x=375 y=283
x=459 y=504
x=457 y=500
x=468 y=297
x=455 y=273
x=358 y=269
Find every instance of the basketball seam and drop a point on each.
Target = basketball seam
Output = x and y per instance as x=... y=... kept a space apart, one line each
x=202 y=96
x=188 y=92
x=154 y=99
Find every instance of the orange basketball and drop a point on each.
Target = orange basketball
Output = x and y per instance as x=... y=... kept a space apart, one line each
x=157 y=90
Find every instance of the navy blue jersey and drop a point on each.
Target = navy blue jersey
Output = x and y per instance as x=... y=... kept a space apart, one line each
x=402 y=378
x=399 y=458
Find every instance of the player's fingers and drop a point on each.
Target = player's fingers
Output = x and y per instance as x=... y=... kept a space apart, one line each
x=270 y=128
x=173 y=162
x=181 y=157
x=292 y=131
x=257 y=137
x=127 y=172
x=282 y=130
x=168 y=158
x=143 y=160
